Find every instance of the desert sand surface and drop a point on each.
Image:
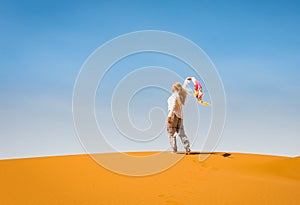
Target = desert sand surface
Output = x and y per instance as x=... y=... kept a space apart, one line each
x=78 y=179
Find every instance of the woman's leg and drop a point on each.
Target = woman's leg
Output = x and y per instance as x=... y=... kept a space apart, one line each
x=185 y=141
x=171 y=132
x=173 y=143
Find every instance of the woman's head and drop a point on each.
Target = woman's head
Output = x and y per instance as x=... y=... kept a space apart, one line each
x=182 y=92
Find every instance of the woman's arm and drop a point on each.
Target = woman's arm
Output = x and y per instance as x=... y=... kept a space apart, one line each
x=171 y=107
x=186 y=82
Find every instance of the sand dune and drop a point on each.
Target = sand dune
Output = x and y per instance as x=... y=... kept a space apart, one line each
x=234 y=179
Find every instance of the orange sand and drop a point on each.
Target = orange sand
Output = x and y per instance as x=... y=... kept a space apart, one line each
x=237 y=179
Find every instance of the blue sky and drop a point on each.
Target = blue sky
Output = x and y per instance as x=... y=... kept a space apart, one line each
x=255 y=46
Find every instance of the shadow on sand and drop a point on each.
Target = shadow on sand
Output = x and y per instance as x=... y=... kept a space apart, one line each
x=205 y=153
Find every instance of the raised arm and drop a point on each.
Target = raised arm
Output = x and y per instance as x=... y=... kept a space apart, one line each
x=186 y=82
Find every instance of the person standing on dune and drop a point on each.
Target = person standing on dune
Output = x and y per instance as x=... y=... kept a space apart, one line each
x=175 y=116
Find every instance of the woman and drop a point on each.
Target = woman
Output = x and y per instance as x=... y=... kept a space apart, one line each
x=175 y=116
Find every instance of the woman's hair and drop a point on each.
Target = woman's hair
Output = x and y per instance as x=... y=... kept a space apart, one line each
x=182 y=92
